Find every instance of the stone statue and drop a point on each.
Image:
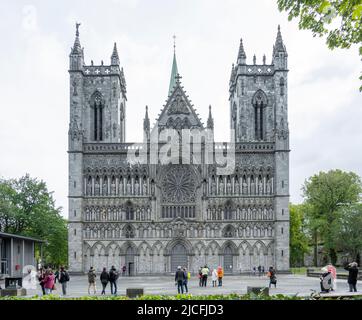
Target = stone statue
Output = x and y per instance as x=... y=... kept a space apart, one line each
x=144 y=187
x=97 y=188
x=252 y=187
x=213 y=188
x=128 y=188
x=245 y=188
x=237 y=187
x=113 y=188
x=260 y=187
x=228 y=188
x=221 y=188
x=137 y=188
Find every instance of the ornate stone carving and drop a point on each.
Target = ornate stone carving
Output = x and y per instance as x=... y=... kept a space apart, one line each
x=178 y=184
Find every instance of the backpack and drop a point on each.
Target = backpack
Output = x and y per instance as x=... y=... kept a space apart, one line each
x=189 y=275
x=66 y=276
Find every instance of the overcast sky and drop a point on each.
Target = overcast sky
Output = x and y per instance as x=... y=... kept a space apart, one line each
x=325 y=107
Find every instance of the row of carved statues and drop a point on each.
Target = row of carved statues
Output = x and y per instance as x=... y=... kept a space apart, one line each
x=117 y=213
x=246 y=185
x=246 y=230
x=142 y=186
x=118 y=186
x=240 y=213
x=143 y=213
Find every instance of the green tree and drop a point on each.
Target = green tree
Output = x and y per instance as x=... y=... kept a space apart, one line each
x=299 y=238
x=28 y=208
x=347 y=229
x=339 y=20
x=326 y=193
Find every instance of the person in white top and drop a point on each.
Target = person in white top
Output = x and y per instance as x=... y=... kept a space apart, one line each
x=214 y=277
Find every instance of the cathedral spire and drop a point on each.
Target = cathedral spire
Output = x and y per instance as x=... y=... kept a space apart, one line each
x=241 y=55
x=146 y=126
x=280 y=55
x=77 y=49
x=174 y=71
x=279 y=45
x=115 y=57
x=210 y=120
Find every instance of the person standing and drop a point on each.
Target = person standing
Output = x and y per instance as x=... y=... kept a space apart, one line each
x=104 y=280
x=113 y=277
x=352 y=269
x=220 y=275
x=41 y=277
x=180 y=279
x=124 y=271
x=49 y=281
x=186 y=280
x=205 y=272
x=200 y=277
x=214 y=276
x=272 y=277
x=63 y=278
x=92 y=280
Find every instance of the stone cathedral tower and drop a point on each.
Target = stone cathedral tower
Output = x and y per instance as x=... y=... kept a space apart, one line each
x=154 y=217
x=259 y=113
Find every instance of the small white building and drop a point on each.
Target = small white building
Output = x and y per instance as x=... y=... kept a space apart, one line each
x=16 y=252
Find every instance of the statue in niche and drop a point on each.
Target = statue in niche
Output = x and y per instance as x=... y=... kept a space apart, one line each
x=213 y=187
x=245 y=187
x=260 y=187
x=113 y=188
x=128 y=188
x=137 y=188
x=228 y=187
x=221 y=187
x=104 y=187
x=89 y=187
x=144 y=187
x=96 y=188
x=237 y=186
x=252 y=187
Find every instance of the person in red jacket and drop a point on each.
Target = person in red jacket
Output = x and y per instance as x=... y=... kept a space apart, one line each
x=49 y=281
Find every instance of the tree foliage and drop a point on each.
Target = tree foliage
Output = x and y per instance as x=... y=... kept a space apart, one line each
x=339 y=20
x=347 y=229
x=325 y=193
x=28 y=208
x=299 y=239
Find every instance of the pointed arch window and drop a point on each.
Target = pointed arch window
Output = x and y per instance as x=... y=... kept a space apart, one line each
x=97 y=116
x=259 y=102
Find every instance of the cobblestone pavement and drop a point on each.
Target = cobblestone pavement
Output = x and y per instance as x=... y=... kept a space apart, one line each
x=287 y=284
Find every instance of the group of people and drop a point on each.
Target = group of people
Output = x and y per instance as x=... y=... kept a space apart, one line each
x=47 y=280
x=261 y=270
x=328 y=277
x=182 y=277
x=216 y=276
x=106 y=277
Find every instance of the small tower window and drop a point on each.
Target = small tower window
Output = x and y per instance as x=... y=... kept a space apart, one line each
x=281 y=84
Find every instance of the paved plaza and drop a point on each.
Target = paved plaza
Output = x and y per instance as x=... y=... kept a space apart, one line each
x=287 y=284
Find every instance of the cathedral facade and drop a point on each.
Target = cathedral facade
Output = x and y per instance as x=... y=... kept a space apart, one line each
x=152 y=217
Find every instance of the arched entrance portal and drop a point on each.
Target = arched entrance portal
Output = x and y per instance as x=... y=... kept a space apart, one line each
x=178 y=256
x=130 y=268
x=228 y=260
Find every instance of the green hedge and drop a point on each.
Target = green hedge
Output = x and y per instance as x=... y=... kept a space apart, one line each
x=188 y=297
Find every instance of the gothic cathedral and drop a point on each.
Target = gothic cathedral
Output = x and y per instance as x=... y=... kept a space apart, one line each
x=153 y=217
